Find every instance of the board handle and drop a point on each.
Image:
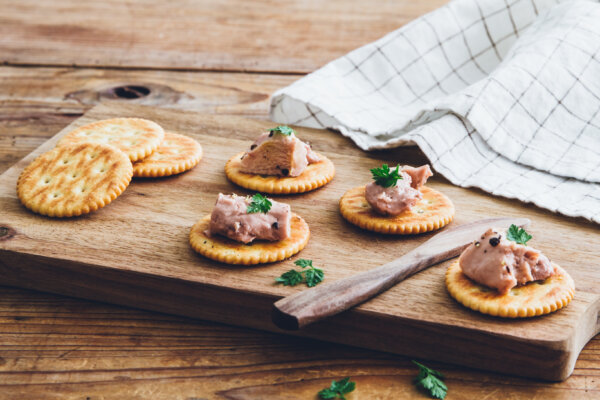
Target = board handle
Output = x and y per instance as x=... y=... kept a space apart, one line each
x=322 y=301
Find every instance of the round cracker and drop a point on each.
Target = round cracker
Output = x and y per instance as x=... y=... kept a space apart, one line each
x=530 y=300
x=432 y=212
x=136 y=137
x=74 y=179
x=175 y=154
x=228 y=251
x=314 y=176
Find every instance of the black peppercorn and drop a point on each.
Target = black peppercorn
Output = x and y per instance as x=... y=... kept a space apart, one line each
x=252 y=147
x=275 y=225
x=285 y=171
x=494 y=241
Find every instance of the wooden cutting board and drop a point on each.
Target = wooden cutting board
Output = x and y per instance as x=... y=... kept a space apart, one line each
x=135 y=252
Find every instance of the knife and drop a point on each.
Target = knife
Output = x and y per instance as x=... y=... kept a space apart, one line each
x=304 y=308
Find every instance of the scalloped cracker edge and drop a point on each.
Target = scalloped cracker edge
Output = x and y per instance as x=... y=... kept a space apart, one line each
x=432 y=212
x=228 y=251
x=314 y=176
x=72 y=180
x=175 y=154
x=136 y=137
x=530 y=300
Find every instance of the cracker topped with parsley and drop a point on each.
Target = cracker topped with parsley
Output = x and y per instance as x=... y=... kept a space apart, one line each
x=279 y=163
x=249 y=230
x=397 y=202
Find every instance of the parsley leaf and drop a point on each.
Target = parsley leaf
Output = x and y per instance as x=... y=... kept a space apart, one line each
x=314 y=276
x=311 y=276
x=518 y=235
x=301 y=262
x=431 y=381
x=290 y=278
x=259 y=203
x=338 y=389
x=283 y=129
x=385 y=177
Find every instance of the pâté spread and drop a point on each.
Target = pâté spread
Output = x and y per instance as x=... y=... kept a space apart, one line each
x=497 y=262
x=237 y=218
x=394 y=196
x=278 y=152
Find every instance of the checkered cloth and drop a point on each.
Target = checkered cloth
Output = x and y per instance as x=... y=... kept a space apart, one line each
x=500 y=95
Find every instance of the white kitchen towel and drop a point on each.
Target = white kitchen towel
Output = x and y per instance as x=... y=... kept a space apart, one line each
x=500 y=95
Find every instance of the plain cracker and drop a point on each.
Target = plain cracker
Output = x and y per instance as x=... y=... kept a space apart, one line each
x=432 y=212
x=74 y=179
x=530 y=300
x=228 y=251
x=314 y=176
x=136 y=137
x=175 y=154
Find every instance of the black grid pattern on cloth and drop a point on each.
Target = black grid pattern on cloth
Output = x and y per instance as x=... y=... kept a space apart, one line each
x=451 y=65
x=375 y=53
x=486 y=168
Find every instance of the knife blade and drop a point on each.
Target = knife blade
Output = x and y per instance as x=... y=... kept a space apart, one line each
x=306 y=307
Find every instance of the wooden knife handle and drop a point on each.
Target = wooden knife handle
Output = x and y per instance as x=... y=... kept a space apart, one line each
x=303 y=308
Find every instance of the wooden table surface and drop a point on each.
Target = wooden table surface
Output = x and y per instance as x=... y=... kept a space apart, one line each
x=61 y=57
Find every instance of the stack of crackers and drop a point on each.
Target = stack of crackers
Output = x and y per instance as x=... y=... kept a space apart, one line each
x=93 y=164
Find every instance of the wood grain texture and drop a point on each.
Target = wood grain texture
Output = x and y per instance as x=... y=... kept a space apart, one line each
x=73 y=349
x=153 y=261
x=264 y=35
x=35 y=103
x=58 y=347
x=55 y=347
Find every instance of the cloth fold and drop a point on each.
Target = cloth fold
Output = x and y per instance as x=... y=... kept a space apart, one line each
x=503 y=96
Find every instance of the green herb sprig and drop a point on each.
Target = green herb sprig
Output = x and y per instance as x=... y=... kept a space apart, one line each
x=312 y=276
x=282 y=129
x=518 y=235
x=385 y=177
x=260 y=204
x=431 y=381
x=338 y=389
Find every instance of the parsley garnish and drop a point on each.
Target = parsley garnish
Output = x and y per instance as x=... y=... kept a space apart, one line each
x=259 y=203
x=338 y=389
x=283 y=129
x=431 y=381
x=385 y=177
x=311 y=276
x=518 y=235
x=290 y=278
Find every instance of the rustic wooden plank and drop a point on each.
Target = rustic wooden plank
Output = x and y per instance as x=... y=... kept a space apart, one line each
x=37 y=328
x=534 y=343
x=233 y=35
x=35 y=103
x=56 y=347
